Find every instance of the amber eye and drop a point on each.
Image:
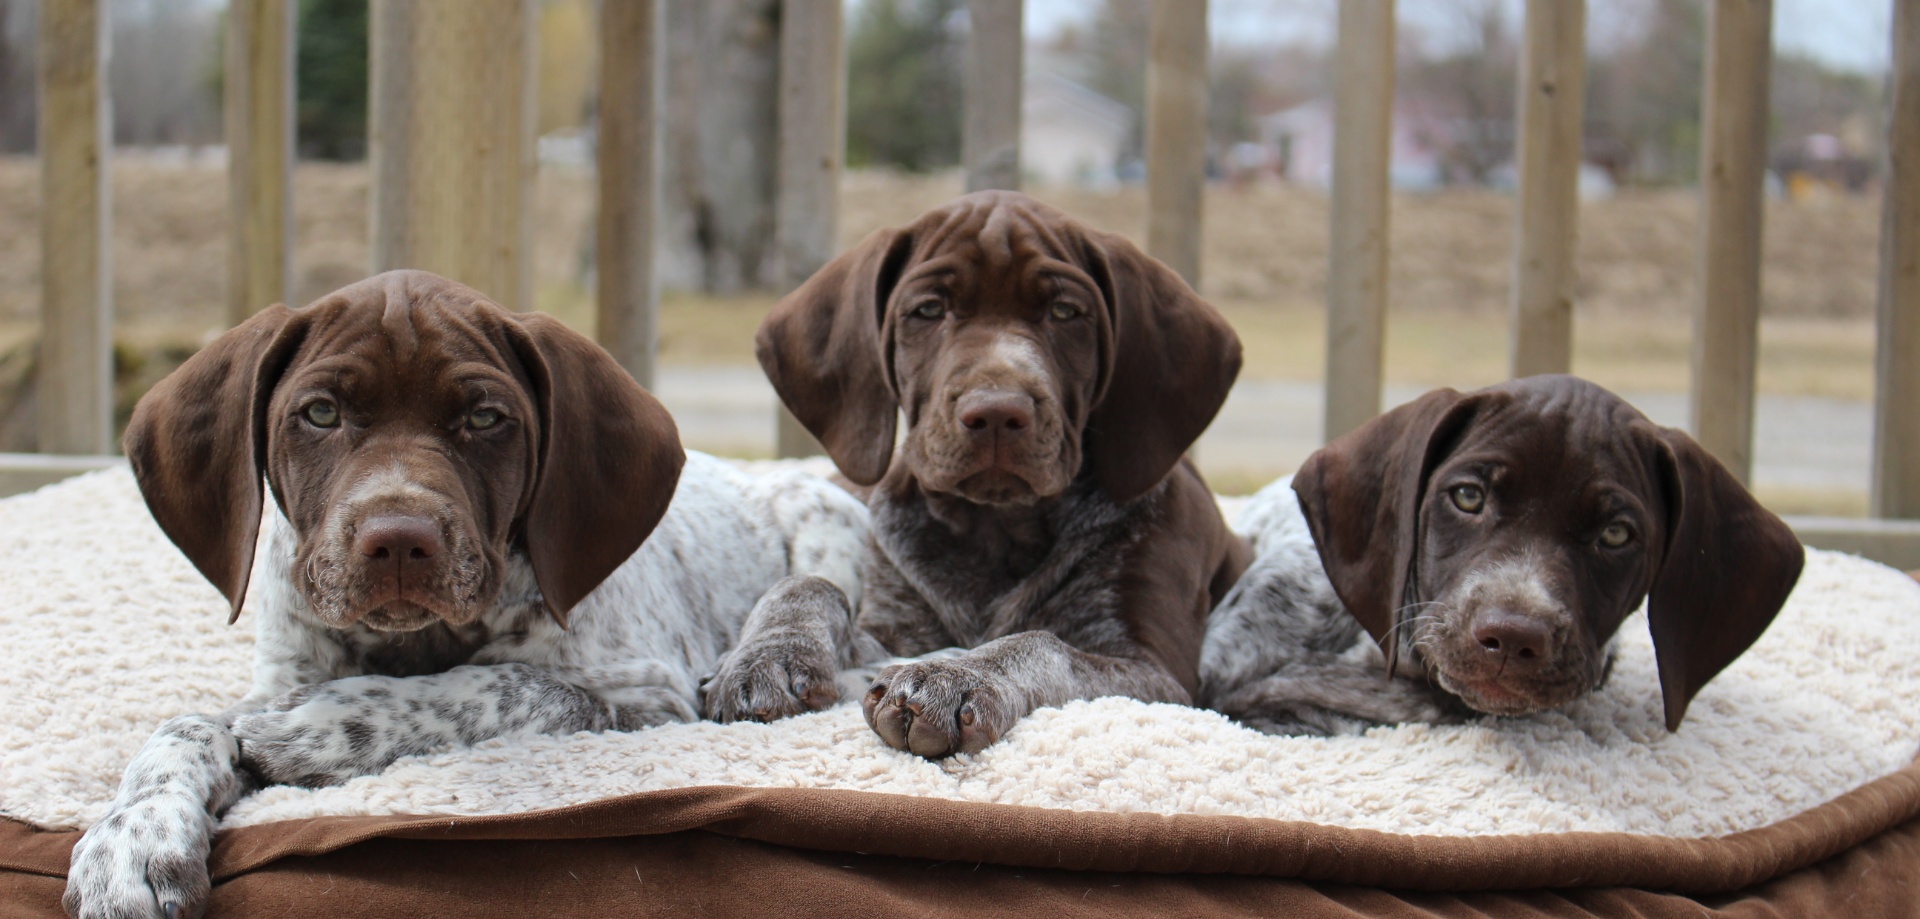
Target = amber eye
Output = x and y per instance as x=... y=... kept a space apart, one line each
x=930 y=309
x=322 y=414
x=481 y=419
x=1063 y=311
x=1616 y=535
x=1468 y=498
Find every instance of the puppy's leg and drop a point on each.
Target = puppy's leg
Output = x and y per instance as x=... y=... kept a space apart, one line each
x=800 y=636
x=148 y=856
x=326 y=734
x=794 y=643
x=939 y=706
x=1336 y=695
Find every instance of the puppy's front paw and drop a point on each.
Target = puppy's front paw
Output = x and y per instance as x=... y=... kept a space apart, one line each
x=144 y=861
x=770 y=679
x=938 y=708
x=316 y=736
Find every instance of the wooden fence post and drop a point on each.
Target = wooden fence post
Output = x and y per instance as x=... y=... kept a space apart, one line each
x=632 y=75
x=990 y=127
x=1362 y=181
x=1552 y=96
x=1733 y=166
x=259 y=127
x=1896 y=414
x=75 y=382
x=452 y=116
x=813 y=89
x=1177 y=134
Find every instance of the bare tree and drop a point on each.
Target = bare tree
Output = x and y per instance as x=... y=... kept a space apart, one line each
x=163 y=73
x=723 y=64
x=19 y=22
x=1471 y=88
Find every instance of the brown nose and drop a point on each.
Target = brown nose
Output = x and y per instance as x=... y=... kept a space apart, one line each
x=996 y=411
x=398 y=537
x=1520 y=639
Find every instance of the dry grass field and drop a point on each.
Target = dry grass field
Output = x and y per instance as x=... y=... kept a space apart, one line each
x=1264 y=264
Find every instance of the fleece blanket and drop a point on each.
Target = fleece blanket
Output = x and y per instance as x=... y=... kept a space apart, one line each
x=108 y=631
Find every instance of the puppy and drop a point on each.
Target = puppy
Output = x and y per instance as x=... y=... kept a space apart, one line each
x=481 y=527
x=1483 y=549
x=1036 y=517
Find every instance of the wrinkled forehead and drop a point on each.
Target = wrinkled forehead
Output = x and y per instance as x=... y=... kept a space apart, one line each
x=995 y=244
x=1565 y=444
x=368 y=334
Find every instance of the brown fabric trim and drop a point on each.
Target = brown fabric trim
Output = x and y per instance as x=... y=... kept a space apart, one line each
x=704 y=874
x=848 y=821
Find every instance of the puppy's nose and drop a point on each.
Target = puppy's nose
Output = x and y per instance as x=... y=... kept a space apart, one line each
x=398 y=537
x=1521 y=639
x=996 y=410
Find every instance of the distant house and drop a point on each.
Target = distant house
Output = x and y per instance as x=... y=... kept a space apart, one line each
x=1069 y=134
x=1300 y=142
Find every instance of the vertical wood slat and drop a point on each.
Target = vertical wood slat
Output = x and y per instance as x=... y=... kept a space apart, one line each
x=1552 y=96
x=632 y=77
x=259 y=128
x=1177 y=134
x=1733 y=163
x=990 y=124
x=1896 y=428
x=812 y=134
x=1357 y=261
x=75 y=382
x=452 y=108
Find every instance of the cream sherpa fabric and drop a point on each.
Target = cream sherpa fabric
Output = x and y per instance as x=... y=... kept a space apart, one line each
x=105 y=631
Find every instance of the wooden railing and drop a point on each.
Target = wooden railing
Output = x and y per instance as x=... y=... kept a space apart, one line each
x=452 y=161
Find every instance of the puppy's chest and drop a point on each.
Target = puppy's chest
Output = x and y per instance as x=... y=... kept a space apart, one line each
x=985 y=581
x=433 y=649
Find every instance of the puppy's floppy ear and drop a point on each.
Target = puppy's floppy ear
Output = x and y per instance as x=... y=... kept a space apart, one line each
x=198 y=443
x=1361 y=495
x=1173 y=359
x=609 y=459
x=1728 y=567
x=823 y=348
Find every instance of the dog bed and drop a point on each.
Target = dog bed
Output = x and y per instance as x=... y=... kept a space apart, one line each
x=1793 y=765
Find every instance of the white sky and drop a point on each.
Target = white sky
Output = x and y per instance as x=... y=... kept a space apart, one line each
x=1848 y=34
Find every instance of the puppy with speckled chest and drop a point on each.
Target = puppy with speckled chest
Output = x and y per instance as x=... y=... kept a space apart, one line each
x=1483 y=548
x=1037 y=523
x=481 y=527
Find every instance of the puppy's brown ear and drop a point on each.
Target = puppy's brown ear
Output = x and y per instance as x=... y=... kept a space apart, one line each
x=822 y=346
x=1174 y=357
x=1361 y=495
x=609 y=459
x=197 y=443
x=1729 y=565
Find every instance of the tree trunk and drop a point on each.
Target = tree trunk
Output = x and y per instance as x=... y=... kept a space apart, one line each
x=718 y=178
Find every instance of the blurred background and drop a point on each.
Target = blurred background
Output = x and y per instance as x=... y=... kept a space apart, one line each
x=1264 y=258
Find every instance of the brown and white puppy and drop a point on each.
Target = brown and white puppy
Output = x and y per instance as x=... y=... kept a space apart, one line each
x=1490 y=544
x=480 y=527
x=1037 y=512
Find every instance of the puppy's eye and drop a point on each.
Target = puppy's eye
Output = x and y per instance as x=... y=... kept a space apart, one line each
x=1616 y=535
x=930 y=309
x=1468 y=498
x=322 y=414
x=481 y=419
x=1063 y=311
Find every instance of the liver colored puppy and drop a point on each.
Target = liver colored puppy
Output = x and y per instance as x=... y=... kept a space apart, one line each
x=480 y=526
x=1037 y=512
x=1490 y=543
